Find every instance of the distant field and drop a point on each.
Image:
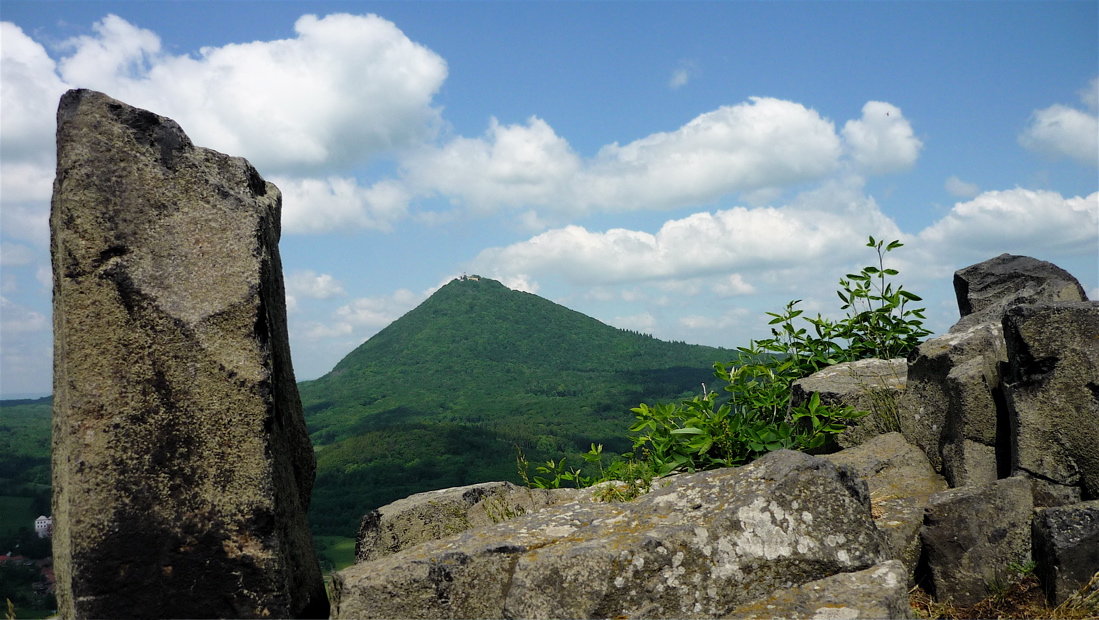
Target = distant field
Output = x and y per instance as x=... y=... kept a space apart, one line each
x=336 y=552
x=16 y=512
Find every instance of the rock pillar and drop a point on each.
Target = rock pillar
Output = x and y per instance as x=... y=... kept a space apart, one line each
x=182 y=468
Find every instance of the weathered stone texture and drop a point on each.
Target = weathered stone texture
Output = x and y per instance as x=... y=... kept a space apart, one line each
x=901 y=482
x=870 y=385
x=438 y=514
x=947 y=375
x=877 y=592
x=698 y=547
x=971 y=534
x=1052 y=392
x=987 y=289
x=1066 y=546
x=182 y=469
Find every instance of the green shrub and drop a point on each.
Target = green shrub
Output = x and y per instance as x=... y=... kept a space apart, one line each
x=755 y=416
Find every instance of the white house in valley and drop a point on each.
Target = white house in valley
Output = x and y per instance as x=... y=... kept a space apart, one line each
x=43 y=526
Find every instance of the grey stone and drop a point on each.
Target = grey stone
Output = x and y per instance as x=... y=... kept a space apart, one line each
x=901 y=482
x=971 y=535
x=987 y=289
x=877 y=592
x=1049 y=494
x=870 y=385
x=1052 y=391
x=950 y=380
x=699 y=547
x=1066 y=548
x=438 y=514
x=969 y=446
x=182 y=469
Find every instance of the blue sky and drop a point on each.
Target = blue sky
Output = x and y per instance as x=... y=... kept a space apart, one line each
x=678 y=168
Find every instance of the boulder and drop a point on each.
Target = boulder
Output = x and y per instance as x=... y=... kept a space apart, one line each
x=950 y=398
x=971 y=534
x=877 y=592
x=182 y=469
x=1052 y=391
x=987 y=289
x=698 y=547
x=1066 y=546
x=438 y=514
x=901 y=482
x=871 y=385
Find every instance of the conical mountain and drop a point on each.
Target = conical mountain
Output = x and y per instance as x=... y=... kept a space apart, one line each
x=442 y=396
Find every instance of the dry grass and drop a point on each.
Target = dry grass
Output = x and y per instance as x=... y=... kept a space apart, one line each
x=1022 y=599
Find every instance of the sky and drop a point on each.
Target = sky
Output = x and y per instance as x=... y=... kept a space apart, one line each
x=675 y=168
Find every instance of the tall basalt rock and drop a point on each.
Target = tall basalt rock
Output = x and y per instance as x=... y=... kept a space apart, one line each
x=182 y=468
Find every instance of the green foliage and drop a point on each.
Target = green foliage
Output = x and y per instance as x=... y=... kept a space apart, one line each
x=756 y=417
x=440 y=397
x=25 y=428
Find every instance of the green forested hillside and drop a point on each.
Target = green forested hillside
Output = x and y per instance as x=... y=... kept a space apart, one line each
x=443 y=396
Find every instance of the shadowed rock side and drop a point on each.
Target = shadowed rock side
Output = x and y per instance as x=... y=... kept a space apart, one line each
x=181 y=465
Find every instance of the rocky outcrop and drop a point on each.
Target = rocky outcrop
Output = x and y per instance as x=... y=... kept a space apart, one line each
x=182 y=469
x=792 y=535
x=871 y=385
x=986 y=290
x=972 y=534
x=877 y=592
x=438 y=514
x=1052 y=392
x=901 y=483
x=1066 y=540
x=699 y=547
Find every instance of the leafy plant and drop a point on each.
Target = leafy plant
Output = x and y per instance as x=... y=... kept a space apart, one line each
x=756 y=418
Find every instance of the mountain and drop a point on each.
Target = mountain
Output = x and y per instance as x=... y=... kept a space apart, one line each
x=444 y=395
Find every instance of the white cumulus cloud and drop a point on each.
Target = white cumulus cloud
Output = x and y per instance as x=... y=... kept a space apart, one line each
x=825 y=224
x=1061 y=131
x=315 y=205
x=512 y=165
x=882 y=141
x=345 y=89
x=308 y=283
x=1018 y=221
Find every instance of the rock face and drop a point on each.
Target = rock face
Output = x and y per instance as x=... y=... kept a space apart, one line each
x=182 y=469
x=699 y=547
x=878 y=592
x=901 y=483
x=1066 y=539
x=1053 y=391
x=438 y=514
x=971 y=535
x=987 y=289
x=870 y=385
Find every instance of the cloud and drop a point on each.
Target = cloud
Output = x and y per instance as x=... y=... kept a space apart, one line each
x=18 y=319
x=377 y=312
x=958 y=187
x=344 y=90
x=823 y=225
x=882 y=141
x=1019 y=221
x=753 y=146
x=733 y=285
x=307 y=283
x=1089 y=94
x=643 y=322
x=682 y=74
x=732 y=318
x=13 y=254
x=1060 y=131
x=512 y=165
x=311 y=205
